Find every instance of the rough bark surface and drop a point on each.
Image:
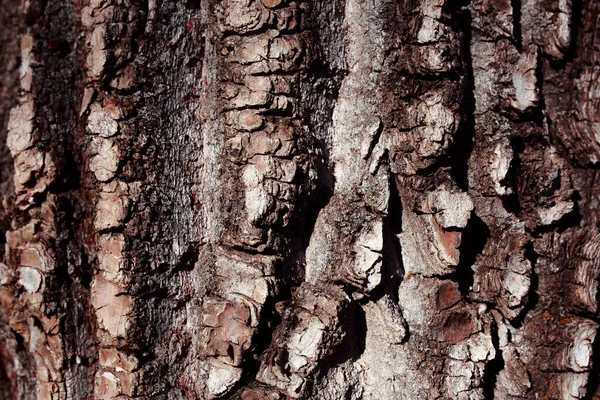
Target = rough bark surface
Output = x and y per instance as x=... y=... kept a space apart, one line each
x=283 y=199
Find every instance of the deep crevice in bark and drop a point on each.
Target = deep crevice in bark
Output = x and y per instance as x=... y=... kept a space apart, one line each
x=269 y=321
x=392 y=269
x=511 y=201
x=464 y=138
x=188 y=259
x=493 y=367
x=193 y=4
x=517 y=31
x=160 y=285
x=474 y=239
x=319 y=91
x=532 y=295
x=354 y=325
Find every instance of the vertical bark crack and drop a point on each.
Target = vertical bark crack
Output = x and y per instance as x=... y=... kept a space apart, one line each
x=474 y=239
x=493 y=367
x=463 y=140
x=532 y=295
x=516 y=23
x=510 y=200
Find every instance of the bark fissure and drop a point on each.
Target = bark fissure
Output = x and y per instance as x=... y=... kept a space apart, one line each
x=474 y=238
x=269 y=199
x=493 y=367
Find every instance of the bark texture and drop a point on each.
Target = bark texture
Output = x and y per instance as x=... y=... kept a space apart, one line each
x=284 y=199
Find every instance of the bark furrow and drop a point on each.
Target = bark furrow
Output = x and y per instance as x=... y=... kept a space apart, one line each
x=271 y=199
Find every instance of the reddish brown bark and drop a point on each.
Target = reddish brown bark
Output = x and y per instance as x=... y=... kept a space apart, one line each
x=268 y=199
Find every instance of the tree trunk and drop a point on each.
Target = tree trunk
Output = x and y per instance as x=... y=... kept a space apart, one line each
x=279 y=199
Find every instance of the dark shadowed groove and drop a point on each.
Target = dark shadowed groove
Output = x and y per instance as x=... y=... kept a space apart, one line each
x=474 y=239
x=572 y=219
x=268 y=321
x=319 y=87
x=576 y=20
x=319 y=91
x=493 y=367
x=354 y=326
x=392 y=268
x=464 y=138
x=533 y=295
x=187 y=260
x=193 y=4
x=517 y=29
x=511 y=202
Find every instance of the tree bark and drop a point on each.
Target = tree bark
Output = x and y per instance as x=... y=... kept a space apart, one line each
x=278 y=199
